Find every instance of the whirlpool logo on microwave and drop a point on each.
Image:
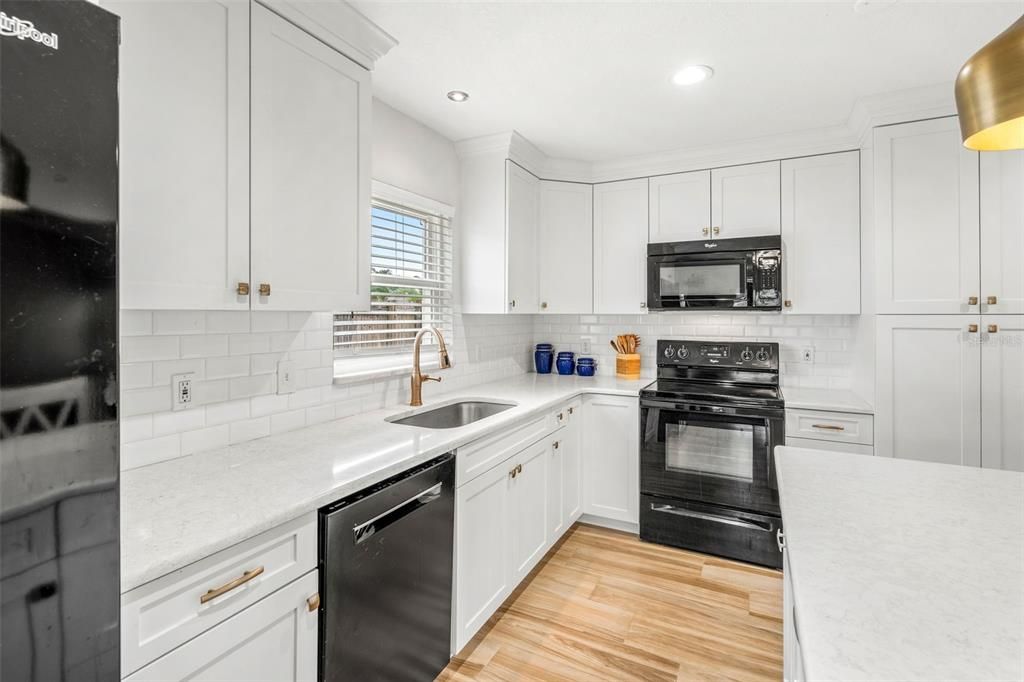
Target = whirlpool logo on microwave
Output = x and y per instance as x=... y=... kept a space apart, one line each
x=21 y=29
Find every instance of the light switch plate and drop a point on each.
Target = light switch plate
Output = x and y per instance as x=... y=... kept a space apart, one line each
x=182 y=386
x=285 y=377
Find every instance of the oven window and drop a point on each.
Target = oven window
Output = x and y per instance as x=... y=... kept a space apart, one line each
x=720 y=449
x=718 y=280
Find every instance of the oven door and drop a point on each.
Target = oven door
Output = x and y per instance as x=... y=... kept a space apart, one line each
x=700 y=280
x=720 y=455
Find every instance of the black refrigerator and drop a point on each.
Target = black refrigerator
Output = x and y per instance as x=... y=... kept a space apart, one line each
x=59 y=520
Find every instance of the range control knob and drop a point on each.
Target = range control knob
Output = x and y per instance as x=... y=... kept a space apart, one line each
x=682 y=353
x=762 y=355
x=746 y=355
x=669 y=352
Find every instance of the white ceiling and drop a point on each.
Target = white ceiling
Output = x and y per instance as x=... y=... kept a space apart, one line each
x=591 y=81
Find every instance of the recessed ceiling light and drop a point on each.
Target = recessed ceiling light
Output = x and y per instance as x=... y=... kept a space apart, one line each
x=458 y=96
x=695 y=73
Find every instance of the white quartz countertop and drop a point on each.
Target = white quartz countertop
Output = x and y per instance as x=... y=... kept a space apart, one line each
x=829 y=400
x=179 y=511
x=904 y=570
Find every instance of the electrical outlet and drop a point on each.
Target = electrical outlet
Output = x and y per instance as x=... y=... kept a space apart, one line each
x=285 y=377
x=585 y=347
x=181 y=390
x=807 y=355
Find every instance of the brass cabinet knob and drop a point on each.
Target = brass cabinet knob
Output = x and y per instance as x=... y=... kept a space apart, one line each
x=972 y=328
x=992 y=300
x=705 y=231
x=716 y=230
x=972 y=300
x=313 y=603
x=787 y=303
x=556 y=443
x=993 y=328
x=544 y=304
x=242 y=289
x=512 y=303
x=264 y=289
x=572 y=410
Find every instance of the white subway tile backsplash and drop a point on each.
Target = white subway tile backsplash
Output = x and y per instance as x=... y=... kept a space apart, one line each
x=136 y=375
x=145 y=401
x=179 y=322
x=143 y=452
x=227 y=321
x=149 y=348
x=247 y=344
x=164 y=369
x=136 y=428
x=287 y=421
x=136 y=323
x=249 y=429
x=227 y=367
x=209 y=345
x=204 y=439
x=268 y=404
x=176 y=422
x=207 y=392
x=269 y=321
x=227 y=412
x=247 y=387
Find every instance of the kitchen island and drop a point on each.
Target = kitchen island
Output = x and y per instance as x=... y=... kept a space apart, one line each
x=901 y=570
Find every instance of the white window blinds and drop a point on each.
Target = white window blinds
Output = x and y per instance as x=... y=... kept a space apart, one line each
x=410 y=282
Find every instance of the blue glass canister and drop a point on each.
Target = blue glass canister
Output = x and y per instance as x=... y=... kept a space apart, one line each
x=543 y=358
x=586 y=367
x=566 y=363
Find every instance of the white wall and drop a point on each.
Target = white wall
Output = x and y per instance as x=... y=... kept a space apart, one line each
x=409 y=155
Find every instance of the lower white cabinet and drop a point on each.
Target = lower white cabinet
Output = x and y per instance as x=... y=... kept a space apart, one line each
x=1002 y=392
x=527 y=507
x=611 y=456
x=275 y=639
x=570 y=455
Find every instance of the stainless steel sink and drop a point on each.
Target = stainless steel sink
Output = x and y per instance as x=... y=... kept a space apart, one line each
x=453 y=415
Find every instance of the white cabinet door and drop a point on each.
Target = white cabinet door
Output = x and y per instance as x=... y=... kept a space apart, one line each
x=612 y=457
x=565 y=247
x=1002 y=392
x=522 y=201
x=929 y=388
x=555 y=488
x=482 y=550
x=571 y=438
x=1002 y=232
x=184 y=153
x=926 y=219
x=821 y=234
x=680 y=207
x=310 y=171
x=620 y=247
x=527 y=522
x=274 y=639
x=745 y=200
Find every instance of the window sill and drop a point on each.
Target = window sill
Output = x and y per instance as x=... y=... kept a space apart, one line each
x=357 y=370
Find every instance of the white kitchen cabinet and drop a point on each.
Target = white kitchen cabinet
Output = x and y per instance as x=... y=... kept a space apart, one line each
x=483 y=554
x=565 y=247
x=792 y=659
x=274 y=639
x=821 y=234
x=926 y=219
x=184 y=153
x=620 y=247
x=1002 y=232
x=611 y=456
x=310 y=165
x=928 y=388
x=745 y=200
x=1002 y=392
x=556 y=518
x=527 y=523
x=680 y=207
x=571 y=448
x=522 y=201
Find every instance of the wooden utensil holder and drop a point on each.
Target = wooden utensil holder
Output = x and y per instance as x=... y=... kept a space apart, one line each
x=627 y=365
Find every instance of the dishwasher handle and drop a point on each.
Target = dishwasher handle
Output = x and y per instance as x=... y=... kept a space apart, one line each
x=364 y=531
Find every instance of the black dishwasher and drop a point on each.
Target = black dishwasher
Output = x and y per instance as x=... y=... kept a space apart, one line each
x=386 y=558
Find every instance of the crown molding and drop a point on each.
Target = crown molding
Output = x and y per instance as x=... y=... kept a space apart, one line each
x=338 y=24
x=929 y=101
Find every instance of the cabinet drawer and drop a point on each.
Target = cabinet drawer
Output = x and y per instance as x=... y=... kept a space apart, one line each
x=840 y=427
x=165 y=613
x=479 y=456
x=831 y=446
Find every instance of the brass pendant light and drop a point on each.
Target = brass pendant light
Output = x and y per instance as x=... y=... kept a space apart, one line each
x=990 y=93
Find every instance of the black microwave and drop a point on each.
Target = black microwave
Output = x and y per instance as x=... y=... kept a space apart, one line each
x=743 y=273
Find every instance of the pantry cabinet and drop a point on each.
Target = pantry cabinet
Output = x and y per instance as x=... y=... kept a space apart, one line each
x=522 y=203
x=745 y=200
x=821 y=234
x=926 y=219
x=1002 y=392
x=1002 y=232
x=680 y=207
x=565 y=247
x=611 y=457
x=620 y=247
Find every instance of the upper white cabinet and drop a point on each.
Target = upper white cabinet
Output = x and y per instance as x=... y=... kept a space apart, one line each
x=620 y=247
x=928 y=388
x=184 y=153
x=821 y=234
x=522 y=203
x=926 y=219
x=745 y=200
x=1002 y=232
x=1002 y=392
x=310 y=171
x=612 y=445
x=565 y=247
x=680 y=206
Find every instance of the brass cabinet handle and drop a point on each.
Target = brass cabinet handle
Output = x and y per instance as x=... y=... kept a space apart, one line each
x=572 y=410
x=705 y=231
x=716 y=230
x=992 y=300
x=519 y=468
x=512 y=303
x=993 y=328
x=787 y=303
x=544 y=305
x=972 y=328
x=264 y=289
x=830 y=427
x=561 y=416
x=972 y=300
x=243 y=289
x=313 y=603
x=228 y=586
x=556 y=443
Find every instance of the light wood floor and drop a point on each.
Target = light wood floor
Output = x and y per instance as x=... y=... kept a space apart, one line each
x=605 y=606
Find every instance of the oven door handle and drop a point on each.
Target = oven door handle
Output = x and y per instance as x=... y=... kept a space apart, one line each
x=732 y=521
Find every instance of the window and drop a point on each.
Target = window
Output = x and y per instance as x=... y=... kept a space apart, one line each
x=410 y=283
